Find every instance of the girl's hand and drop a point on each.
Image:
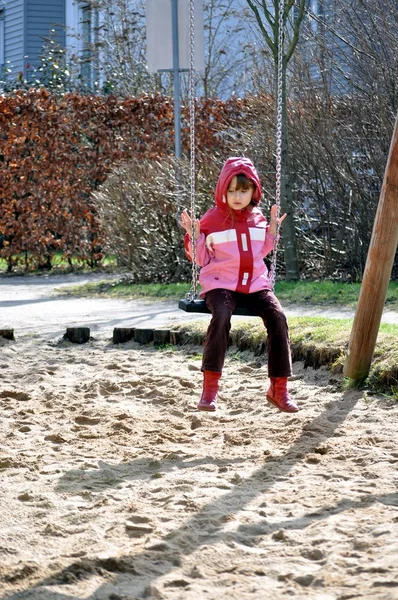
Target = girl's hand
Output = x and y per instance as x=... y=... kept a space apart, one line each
x=274 y=220
x=186 y=222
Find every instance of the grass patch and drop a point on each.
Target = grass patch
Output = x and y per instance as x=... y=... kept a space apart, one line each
x=305 y=293
x=317 y=342
x=59 y=264
x=120 y=288
x=319 y=292
x=328 y=293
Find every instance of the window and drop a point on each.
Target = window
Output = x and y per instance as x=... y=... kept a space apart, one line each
x=85 y=35
x=314 y=13
x=2 y=40
x=82 y=26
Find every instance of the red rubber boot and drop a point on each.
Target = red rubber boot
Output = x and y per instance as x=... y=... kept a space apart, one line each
x=208 y=400
x=279 y=396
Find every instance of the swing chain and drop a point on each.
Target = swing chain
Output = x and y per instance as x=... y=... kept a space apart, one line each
x=191 y=296
x=279 y=119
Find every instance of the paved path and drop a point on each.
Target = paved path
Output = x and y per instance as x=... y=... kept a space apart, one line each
x=30 y=305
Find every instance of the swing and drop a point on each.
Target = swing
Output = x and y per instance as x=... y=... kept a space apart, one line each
x=191 y=303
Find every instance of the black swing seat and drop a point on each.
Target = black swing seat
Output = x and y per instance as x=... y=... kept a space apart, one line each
x=199 y=306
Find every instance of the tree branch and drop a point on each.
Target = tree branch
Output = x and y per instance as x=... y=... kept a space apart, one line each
x=296 y=26
x=260 y=23
x=337 y=35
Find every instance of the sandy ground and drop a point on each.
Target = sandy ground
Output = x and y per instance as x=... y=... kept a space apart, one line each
x=113 y=486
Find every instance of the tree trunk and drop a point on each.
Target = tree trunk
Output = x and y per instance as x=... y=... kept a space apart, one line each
x=288 y=229
x=380 y=259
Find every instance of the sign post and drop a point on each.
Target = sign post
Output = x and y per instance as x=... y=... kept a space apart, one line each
x=168 y=43
x=176 y=79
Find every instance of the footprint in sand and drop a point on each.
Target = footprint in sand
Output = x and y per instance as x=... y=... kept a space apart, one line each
x=53 y=531
x=15 y=395
x=138 y=525
x=24 y=429
x=121 y=427
x=106 y=388
x=87 y=420
x=113 y=367
x=314 y=554
x=100 y=388
x=55 y=438
x=186 y=383
x=8 y=462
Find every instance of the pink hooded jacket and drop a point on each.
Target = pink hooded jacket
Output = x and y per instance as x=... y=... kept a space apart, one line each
x=231 y=248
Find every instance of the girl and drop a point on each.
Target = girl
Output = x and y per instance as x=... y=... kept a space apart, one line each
x=231 y=241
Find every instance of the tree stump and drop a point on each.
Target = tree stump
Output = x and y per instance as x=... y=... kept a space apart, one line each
x=77 y=335
x=7 y=334
x=175 y=338
x=143 y=336
x=161 y=337
x=121 y=335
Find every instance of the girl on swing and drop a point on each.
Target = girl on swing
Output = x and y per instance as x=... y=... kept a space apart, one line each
x=232 y=238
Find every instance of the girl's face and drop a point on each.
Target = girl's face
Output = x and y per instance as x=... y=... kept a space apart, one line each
x=237 y=199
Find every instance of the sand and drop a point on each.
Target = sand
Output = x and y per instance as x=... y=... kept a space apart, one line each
x=113 y=485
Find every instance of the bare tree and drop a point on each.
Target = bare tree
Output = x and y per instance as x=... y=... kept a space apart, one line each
x=116 y=51
x=342 y=121
x=267 y=21
x=227 y=61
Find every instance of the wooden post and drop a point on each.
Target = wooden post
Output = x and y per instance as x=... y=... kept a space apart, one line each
x=161 y=337
x=7 y=334
x=379 y=262
x=143 y=336
x=77 y=335
x=121 y=335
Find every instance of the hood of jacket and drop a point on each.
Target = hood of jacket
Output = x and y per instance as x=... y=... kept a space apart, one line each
x=236 y=165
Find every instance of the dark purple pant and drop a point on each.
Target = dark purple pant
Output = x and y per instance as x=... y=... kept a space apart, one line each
x=263 y=304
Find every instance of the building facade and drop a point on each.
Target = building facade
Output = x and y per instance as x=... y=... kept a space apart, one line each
x=25 y=25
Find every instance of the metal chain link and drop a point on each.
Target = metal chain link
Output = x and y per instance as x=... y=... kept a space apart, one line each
x=191 y=296
x=278 y=169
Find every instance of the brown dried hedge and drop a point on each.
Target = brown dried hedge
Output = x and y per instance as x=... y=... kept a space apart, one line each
x=54 y=152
